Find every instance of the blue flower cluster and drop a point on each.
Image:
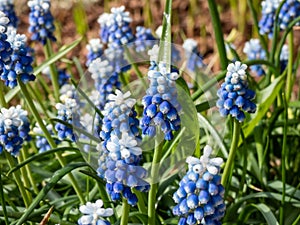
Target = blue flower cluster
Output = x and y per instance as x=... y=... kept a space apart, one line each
x=289 y=11
x=21 y=61
x=266 y=22
x=200 y=196
x=194 y=59
x=7 y=7
x=234 y=95
x=5 y=49
x=106 y=79
x=120 y=153
x=95 y=50
x=253 y=50
x=14 y=129
x=115 y=27
x=143 y=39
x=94 y=213
x=40 y=141
x=284 y=57
x=41 y=21
x=67 y=111
x=161 y=107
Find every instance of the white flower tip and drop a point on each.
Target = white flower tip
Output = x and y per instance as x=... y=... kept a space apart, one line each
x=192 y=160
x=207 y=151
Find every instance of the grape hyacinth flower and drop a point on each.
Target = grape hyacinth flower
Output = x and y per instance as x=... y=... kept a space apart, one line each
x=7 y=7
x=116 y=58
x=21 y=61
x=234 y=95
x=284 y=57
x=67 y=111
x=200 y=196
x=41 y=21
x=161 y=107
x=5 y=50
x=288 y=12
x=14 y=129
x=120 y=151
x=95 y=50
x=41 y=142
x=116 y=29
x=105 y=78
x=254 y=50
x=94 y=213
x=143 y=38
x=193 y=57
x=266 y=22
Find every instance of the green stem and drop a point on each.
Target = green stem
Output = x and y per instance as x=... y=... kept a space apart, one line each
x=164 y=54
x=3 y=102
x=289 y=78
x=17 y=178
x=49 y=137
x=208 y=85
x=154 y=182
x=218 y=33
x=125 y=212
x=232 y=152
x=25 y=176
x=283 y=157
x=28 y=171
x=141 y=203
x=2 y=199
x=53 y=72
x=283 y=39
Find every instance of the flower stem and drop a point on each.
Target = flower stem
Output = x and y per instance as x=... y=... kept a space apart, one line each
x=289 y=78
x=154 y=182
x=125 y=212
x=49 y=138
x=28 y=171
x=2 y=199
x=17 y=178
x=233 y=149
x=3 y=103
x=218 y=33
x=24 y=175
x=53 y=72
x=283 y=160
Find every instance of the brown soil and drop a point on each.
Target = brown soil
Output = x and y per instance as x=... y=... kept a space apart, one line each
x=190 y=19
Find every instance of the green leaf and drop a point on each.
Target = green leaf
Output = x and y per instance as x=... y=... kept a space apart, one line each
x=63 y=51
x=264 y=98
x=289 y=190
x=203 y=106
x=9 y=96
x=233 y=209
x=40 y=156
x=295 y=104
x=142 y=217
x=165 y=40
x=267 y=213
x=214 y=133
x=57 y=176
x=80 y=18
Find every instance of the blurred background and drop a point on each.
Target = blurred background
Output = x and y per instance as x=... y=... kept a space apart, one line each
x=191 y=19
